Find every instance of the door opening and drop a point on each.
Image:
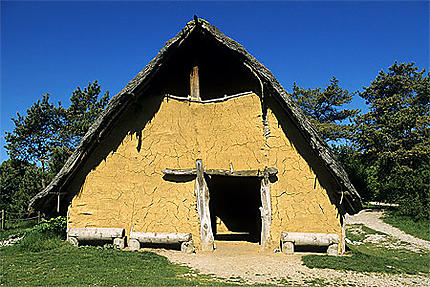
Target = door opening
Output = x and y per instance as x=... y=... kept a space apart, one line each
x=235 y=208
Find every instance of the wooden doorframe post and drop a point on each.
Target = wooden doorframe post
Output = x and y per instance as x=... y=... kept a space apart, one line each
x=265 y=209
x=202 y=195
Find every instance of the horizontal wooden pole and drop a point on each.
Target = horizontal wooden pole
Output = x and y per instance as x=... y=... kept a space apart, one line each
x=313 y=239
x=256 y=173
x=155 y=237
x=170 y=171
x=96 y=233
x=192 y=171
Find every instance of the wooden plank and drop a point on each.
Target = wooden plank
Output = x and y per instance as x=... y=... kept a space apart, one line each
x=194 y=83
x=265 y=209
x=202 y=195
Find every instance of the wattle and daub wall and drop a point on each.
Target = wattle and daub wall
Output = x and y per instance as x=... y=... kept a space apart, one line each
x=124 y=186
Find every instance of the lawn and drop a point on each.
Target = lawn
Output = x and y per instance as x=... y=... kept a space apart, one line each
x=46 y=260
x=420 y=229
x=368 y=256
x=67 y=265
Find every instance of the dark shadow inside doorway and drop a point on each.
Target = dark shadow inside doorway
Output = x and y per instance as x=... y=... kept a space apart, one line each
x=236 y=202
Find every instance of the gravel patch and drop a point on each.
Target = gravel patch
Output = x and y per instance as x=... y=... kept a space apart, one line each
x=12 y=239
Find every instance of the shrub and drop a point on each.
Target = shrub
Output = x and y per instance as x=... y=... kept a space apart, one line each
x=54 y=226
x=44 y=236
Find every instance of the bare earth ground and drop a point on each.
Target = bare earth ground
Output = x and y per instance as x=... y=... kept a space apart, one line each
x=244 y=262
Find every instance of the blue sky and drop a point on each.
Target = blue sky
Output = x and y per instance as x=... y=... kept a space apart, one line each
x=55 y=46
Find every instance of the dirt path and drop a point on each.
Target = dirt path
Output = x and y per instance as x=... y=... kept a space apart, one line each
x=372 y=219
x=245 y=262
x=242 y=262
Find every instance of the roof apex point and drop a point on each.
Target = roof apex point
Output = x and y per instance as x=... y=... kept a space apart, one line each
x=197 y=20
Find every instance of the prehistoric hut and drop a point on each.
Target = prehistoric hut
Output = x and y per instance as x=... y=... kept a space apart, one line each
x=203 y=144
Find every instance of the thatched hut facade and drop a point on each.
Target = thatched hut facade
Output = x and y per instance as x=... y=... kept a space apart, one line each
x=203 y=141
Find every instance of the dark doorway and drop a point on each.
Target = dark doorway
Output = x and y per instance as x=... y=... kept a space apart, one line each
x=235 y=201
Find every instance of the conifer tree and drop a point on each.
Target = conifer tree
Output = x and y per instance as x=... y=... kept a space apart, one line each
x=394 y=137
x=325 y=109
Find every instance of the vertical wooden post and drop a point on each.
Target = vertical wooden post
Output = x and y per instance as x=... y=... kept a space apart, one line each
x=202 y=195
x=2 y=219
x=58 y=203
x=265 y=209
x=38 y=217
x=194 y=83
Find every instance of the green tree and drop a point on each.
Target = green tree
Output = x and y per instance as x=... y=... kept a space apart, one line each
x=84 y=109
x=325 y=109
x=19 y=181
x=35 y=134
x=394 y=138
x=42 y=140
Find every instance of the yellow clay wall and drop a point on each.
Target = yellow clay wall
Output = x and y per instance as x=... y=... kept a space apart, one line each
x=127 y=189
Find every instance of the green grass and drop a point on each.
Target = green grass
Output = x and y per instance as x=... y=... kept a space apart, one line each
x=67 y=265
x=420 y=229
x=45 y=260
x=370 y=257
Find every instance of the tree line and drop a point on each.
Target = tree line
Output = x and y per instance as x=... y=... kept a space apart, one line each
x=385 y=150
x=41 y=142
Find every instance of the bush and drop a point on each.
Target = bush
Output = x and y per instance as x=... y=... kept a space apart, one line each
x=44 y=236
x=54 y=226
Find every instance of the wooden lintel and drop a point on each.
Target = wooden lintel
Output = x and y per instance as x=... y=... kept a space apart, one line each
x=271 y=171
x=194 y=83
x=256 y=173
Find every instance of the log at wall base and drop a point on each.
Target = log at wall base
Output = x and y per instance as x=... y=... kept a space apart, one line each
x=185 y=239
x=96 y=233
x=314 y=239
x=265 y=209
x=164 y=238
x=291 y=239
x=202 y=196
x=116 y=235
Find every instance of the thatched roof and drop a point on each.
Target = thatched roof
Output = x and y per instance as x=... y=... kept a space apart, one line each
x=349 y=196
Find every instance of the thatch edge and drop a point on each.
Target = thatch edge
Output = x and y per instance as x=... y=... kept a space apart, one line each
x=120 y=101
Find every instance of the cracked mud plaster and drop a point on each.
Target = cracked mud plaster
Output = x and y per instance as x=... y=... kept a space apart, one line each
x=128 y=190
